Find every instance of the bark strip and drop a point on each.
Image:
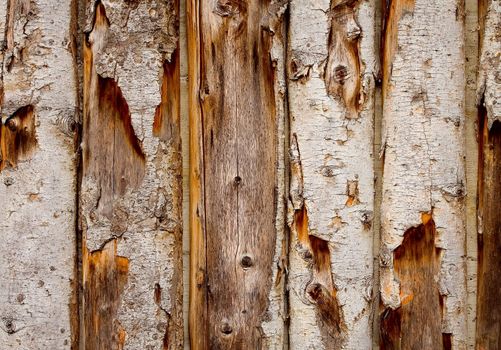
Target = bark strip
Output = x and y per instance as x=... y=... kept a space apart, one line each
x=131 y=193
x=331 y=87
x=422 y=259
x=37 y=174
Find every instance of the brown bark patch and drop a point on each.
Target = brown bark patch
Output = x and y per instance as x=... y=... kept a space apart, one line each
x=342 y=72
x=166 y=123
x=104 y=279
x=352 y=192
x=112 y=153
x=488 y=335
x=17 y=137
x=417 y=323
x=321 y=287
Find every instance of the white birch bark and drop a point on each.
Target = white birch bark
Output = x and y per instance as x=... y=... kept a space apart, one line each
x=331 y=87
x=37 y=196
x=423 y=121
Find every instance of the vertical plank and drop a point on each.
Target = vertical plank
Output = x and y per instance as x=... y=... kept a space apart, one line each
x=131 y=193
x=488 y=330
x=331 y=68
x=37 y=175
x=237 y=116
x=185 y=140
x=198 y=317
x=422 y=213
x=471 y=147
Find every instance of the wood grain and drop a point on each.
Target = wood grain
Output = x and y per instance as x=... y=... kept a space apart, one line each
x=234 y=145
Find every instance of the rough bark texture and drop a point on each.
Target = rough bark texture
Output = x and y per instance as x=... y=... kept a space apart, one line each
x=131 y=187
x=488 y=328
x=37 y=174
x=422 y=212
x=236 y=92
x=331 y=88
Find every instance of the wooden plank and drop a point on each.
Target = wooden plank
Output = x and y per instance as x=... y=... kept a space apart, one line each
x=236 y=103
x=488 y=327
x=422 y=213
x=37 y=175
x=331 y=62
x=131 y=192
x=198 y=317
x=471 y=147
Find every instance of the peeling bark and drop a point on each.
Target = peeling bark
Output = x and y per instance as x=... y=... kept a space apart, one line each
x=236 y=94
x=423 y=121
x=488 y=328
x=320 y=288
x=394 y=10
x=131 y=187
x=37 y=175
x=331 y=87
x=342 y=73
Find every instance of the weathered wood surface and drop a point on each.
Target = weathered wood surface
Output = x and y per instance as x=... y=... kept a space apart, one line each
x=236 y=99
x=331 y=69
x=37 y=175
x=488 y=327
x=276 y=89
x=131 y=196
x=422 y=214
